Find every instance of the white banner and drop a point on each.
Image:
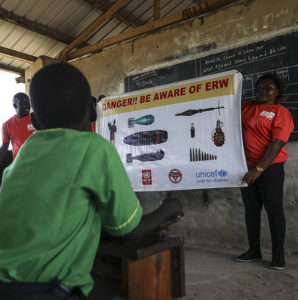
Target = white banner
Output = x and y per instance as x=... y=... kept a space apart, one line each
x=180 y=136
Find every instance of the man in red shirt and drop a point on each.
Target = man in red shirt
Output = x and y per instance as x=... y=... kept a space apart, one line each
x=18 y=128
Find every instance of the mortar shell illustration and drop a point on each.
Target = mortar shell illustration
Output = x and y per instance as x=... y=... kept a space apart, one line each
x=145 y=120
x=158 y=155
x=142 y=138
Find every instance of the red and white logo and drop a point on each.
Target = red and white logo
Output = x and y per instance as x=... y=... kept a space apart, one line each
x=267 y=114
x=30 y=127
x=146 y=177
x=175 y=176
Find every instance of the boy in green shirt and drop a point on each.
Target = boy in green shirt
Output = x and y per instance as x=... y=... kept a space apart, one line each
x=65 y=184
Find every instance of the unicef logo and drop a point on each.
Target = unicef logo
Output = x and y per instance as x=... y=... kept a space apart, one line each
x=214 y=174
x=222 y=173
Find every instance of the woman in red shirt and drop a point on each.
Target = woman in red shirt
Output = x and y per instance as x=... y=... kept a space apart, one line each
x=266 y=127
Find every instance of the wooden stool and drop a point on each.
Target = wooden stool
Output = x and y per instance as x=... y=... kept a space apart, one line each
x=150 y=271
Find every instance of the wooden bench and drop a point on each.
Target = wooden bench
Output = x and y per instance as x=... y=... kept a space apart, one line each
x=150 y=271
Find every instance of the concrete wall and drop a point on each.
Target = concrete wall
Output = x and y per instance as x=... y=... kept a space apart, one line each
x=215 y=217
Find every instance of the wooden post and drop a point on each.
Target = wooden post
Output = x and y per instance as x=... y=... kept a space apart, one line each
x=156 y=10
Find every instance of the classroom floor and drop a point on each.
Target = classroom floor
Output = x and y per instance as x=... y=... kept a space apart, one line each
x=212 y=274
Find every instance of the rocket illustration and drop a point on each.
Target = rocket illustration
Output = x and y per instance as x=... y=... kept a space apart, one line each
x=146 y=138
x=191 y=112
x=145 y=120
x=158 y=155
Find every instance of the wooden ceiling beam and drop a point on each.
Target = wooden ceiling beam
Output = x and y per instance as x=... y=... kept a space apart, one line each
x=189 y=13
x=17 y=55
x=12 y=69
x=34 y=26
x=92 y=27
x=20 y=79
x=118 y=16
x=156 y=10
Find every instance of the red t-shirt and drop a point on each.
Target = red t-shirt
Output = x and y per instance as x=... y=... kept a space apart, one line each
x=17 y=130
x=261 y=123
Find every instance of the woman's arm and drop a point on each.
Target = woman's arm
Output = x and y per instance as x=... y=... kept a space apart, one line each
x=268 y=157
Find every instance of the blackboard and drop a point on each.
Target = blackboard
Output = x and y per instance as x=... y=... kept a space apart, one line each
x=276 y=55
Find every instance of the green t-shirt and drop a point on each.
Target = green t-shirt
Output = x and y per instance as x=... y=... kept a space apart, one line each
x=63 y=185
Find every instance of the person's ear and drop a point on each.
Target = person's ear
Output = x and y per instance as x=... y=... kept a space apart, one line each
x=92 y=111
x=34 y=121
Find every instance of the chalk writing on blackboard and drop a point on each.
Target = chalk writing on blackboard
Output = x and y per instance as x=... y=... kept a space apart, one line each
x=276 y=55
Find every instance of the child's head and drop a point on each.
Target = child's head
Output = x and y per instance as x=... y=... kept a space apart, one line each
x=60 y=97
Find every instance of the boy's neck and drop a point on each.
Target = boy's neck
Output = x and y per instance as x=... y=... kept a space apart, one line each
x=80 y=127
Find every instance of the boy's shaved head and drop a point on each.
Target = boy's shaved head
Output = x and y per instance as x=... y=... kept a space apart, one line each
x=60 y=96
x=20 y=96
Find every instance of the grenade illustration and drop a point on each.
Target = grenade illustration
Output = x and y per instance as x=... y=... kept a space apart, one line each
x=217 y=135
x=145 y=120
x=158 y=155
x=146 y=138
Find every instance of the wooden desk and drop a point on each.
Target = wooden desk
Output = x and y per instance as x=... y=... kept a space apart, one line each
x=150 y=271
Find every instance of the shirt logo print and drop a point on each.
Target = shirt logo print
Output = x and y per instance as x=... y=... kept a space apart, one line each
x=30 y=127
x=267 y=114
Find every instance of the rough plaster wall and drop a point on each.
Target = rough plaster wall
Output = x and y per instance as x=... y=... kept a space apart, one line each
x=219 y=218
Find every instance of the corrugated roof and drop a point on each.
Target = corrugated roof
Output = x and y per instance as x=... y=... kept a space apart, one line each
x=46 y=27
